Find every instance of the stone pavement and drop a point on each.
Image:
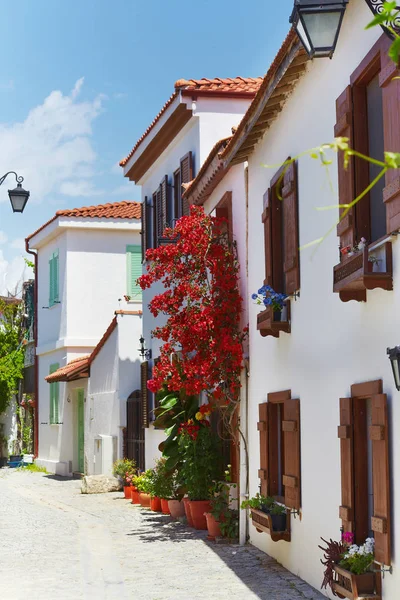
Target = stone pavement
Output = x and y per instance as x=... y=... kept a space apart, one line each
x=57 y=544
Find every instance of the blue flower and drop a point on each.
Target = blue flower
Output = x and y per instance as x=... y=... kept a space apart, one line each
x=254 y=296
x=267 y=301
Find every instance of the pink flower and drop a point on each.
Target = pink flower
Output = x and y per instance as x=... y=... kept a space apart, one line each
x=348 y=537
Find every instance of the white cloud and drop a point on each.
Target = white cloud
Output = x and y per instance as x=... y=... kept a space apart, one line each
x=81 y=187
x=12 y=274
x=52 y=148
x=126 y=189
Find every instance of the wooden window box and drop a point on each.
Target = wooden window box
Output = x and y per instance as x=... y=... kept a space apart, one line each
x=357 y=274
x=267 y=323
x=352 y=586
x=263 y=523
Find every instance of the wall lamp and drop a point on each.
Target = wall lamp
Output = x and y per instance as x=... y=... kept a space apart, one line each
x=317 y=24
x=142 y=350
x=394 y=357
x=18 y=196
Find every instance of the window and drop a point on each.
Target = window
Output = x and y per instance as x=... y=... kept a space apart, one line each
x=134 y=270
x=54 y=279
x=279 y=428
x=54 y=396
x=281 y=245
x=364 y=446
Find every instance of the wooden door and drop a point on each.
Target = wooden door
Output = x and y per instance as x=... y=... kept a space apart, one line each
x=81 y=431
x=134 y=430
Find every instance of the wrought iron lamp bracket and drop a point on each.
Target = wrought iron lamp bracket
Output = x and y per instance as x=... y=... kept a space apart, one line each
x=376 y=7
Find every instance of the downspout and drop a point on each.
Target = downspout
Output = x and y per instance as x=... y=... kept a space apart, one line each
x=244 y=450
x=35 y=338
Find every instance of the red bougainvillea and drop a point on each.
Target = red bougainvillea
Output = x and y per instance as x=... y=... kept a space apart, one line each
x=203 y=305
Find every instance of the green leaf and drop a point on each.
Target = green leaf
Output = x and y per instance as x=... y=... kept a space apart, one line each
x=169 y=401
x=394 y=50
x=171 y=462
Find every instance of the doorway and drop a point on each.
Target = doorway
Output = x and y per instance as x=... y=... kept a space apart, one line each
x=135 y=430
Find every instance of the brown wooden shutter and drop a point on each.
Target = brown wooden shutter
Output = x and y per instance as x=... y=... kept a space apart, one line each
x=391 y=131
x=186 y=176
x=291 y=265
x=267 y=220
x=344 y=128
x=345 y=434
x=291 y=444
x=144 y=209
x=156 y=402
x=379 y=436
x=159 y=214
x=262 y=427
x=144 y=373
x=164 y=203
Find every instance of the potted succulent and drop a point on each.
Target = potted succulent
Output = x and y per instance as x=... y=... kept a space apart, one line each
x=200 y=467
x=124 y=469
x=348 y=567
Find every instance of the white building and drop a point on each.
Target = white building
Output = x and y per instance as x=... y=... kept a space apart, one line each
x=86 y=268
x=170 y=153
x=322 y=408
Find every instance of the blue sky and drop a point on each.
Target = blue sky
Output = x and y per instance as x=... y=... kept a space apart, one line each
x=81 y=80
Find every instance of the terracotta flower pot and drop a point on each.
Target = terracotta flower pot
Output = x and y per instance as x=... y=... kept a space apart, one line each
x=144 y=499
x=213 y=527
x=164 y=506
x=127 y=491
x=155 y=504
x=135 y=496
x=187 y=512
x=197 y=510
x=176 y=508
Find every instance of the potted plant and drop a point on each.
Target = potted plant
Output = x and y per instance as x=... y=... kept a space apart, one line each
x=124 y=469
x=176 y=505
x=260 y=502
x=163 y=485
x=3 y=446
x=348 y=567
x=200 y=467
x=144 y=485
x=269 y=298
x=15 y=457
x=158 y=478
x=134 y=489
x=278 y=517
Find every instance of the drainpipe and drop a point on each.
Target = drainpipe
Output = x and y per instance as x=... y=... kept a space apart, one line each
x=244 y=441
x=35 y=338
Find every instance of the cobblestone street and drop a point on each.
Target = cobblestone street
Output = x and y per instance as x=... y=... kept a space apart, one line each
x=57 y=544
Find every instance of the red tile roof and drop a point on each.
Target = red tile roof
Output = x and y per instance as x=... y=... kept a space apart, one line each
x=114 y=210
x=75 y=369
x=103 y=340
x=236 y=85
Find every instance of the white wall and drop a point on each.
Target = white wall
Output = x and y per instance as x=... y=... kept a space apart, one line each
x=332 y=344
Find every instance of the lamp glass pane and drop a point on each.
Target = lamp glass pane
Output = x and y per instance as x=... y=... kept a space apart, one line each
x=322 y=27
x=303 y=36
x=18 y=202
x=396 y=372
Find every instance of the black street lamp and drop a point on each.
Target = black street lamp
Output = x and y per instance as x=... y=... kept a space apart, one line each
x=394 y=357
x=144 y=353
x=18 y=196
x=318 y=25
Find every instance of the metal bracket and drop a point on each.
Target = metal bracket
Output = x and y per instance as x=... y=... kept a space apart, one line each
x=383 y=570
x=295 y=512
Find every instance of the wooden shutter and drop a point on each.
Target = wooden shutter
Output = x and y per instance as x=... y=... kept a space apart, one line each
x=262 y=427
x=164 y=203
x=56 y=276
x=345 y=434
x=291 y=264
x=134 y=270
x=344 y=128
x=391 y=132
x=267 y=221
x=186 y=167
x=291 y=444
x=156 y=402
x=379 y=436
x=159 y=214
x=51 y=281
x=144 y=216
x=144 y=371
x=54 y=396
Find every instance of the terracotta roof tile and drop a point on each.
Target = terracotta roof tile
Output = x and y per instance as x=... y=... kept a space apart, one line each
x=103 y=340
x=114 y=210
x=72 y=370
x=236 y=85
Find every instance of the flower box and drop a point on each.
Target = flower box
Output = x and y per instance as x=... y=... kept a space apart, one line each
x=353 y=586
x=263 y=523
x=270 y=323
x=357 y=273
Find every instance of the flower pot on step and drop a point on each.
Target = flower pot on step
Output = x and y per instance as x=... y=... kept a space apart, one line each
x=155 y=504
x=197 y=510
x=127 y=491
x=186 y=504
x=176 y=508
x=213 y=527
x=144 y=499
x=164 y=506
x=135 y=496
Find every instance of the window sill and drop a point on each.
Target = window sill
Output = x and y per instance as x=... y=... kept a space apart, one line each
x=267 y=324
x=356 y=274
x=263 y=524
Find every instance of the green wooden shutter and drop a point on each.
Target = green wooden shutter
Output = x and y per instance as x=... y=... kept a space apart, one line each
x=54 y=279
x=54 y=396
x=134 y=270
